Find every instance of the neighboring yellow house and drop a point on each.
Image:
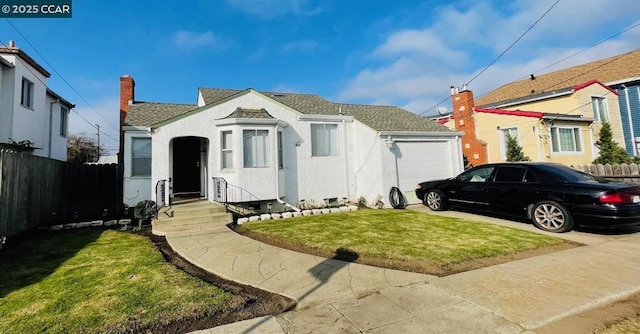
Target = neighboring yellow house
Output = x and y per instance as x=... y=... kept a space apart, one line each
x=560 y=126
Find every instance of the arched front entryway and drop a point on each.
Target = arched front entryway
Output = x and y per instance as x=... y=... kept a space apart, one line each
x=189 y=169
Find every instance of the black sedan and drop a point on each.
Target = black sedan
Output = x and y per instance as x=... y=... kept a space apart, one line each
x=553 y=196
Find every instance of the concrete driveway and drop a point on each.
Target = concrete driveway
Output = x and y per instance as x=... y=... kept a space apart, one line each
x=587 y=236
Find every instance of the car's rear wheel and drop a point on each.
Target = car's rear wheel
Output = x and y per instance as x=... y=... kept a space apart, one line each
x=552 y=217
x=435 y=200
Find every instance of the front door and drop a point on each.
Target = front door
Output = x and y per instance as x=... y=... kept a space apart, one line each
x=186 y=165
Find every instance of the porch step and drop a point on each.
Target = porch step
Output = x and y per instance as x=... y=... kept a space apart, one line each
x=190 y=209
x=192 y=215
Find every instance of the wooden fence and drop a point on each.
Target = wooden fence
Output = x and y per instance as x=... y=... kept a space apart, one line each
x=36 y=191
x=620 y=172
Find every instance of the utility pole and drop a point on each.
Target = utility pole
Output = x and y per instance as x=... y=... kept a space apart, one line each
x=98 y=147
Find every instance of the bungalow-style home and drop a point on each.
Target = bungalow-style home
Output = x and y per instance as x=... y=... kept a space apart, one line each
x=279 y=147
x=555 y=116
x=30 y=112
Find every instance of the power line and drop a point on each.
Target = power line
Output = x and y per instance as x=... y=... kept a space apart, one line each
x=72 y=109
x=60 y=75
x=514 y=43
x=500 y=55
x=554 y=63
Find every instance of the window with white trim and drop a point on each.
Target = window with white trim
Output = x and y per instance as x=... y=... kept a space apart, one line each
x=280 y=153
x=26 y=96
x=256 y=148
x=599 y=107
x=324 y=140
x=504 y=132
x=227 y=151
x=64 y=121
x=565 y=140
x=141 y=157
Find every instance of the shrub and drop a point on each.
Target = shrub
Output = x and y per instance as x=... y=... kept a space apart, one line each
x=144 y=212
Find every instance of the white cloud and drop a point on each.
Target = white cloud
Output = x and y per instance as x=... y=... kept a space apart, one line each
x=271 y=8
x=414 y=67
x=188 y=41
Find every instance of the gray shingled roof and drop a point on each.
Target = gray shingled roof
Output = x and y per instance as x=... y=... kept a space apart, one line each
x=150 y=113
x=379 y=118
x=249 y=113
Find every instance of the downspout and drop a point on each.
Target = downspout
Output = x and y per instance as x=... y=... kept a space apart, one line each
x=633 y=137
x=593 y=153
x=346 y=159
x=538 y=139
x=51 y=125
x=277 y=165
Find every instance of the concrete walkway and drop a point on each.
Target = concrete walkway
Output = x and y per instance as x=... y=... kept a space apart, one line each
x=340 y=297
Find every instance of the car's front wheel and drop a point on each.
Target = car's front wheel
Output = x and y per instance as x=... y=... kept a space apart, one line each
x=552 y=217
x=435 y=200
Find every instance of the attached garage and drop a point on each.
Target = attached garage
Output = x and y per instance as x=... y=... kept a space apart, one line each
x=421 y=161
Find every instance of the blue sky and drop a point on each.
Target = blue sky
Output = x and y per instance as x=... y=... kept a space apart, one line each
x=405 y=53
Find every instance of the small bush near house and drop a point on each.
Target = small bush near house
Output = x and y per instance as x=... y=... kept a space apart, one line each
x=144 y=212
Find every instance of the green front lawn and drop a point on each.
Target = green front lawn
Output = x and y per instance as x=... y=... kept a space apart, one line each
x=401 y=235
x=96 y=281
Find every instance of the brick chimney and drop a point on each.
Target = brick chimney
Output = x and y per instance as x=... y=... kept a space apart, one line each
x=127 y=87
x=463 y=116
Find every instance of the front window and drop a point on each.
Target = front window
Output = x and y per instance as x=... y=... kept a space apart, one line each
x=256 y=148
x=227 y=152
x=324 y=140
x=26 y=97
x=280 y=154
x=565 y=140
x=141 y=157
x=504 y=139
x=599 y=107
x=64 y=114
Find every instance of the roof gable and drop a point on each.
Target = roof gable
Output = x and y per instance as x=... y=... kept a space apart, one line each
x=593 y=82
x=612 y=69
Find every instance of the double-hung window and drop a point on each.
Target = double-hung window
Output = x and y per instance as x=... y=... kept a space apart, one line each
x=280 y=154
x=141 y=157
x=227 y=151
x=256 y=148
x=26 y=96
x=599 y=107
x=324 y=140
x=504 y=139
x=565 y=140
x=64 y=121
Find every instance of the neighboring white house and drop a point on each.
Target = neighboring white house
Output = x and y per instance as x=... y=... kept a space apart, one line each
x=29 y=111
x=281 y=146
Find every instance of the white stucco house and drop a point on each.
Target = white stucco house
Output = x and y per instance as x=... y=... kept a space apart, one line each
x=29 y=110
x=283 y=147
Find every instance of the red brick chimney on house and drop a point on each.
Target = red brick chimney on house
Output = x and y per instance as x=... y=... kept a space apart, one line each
x=473 y=148
x=127 y=87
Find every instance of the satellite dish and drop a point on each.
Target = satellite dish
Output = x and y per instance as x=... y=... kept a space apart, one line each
x=442 y=110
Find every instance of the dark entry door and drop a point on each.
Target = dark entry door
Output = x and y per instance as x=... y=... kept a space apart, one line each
x=186 y=165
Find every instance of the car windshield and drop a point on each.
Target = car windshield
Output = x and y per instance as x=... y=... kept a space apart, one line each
x=559 y=173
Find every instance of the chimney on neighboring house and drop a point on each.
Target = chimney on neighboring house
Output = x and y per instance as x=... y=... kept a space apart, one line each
x=464 y=118
x=127 y=86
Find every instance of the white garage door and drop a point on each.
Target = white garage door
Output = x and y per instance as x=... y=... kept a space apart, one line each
x=419 y=162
